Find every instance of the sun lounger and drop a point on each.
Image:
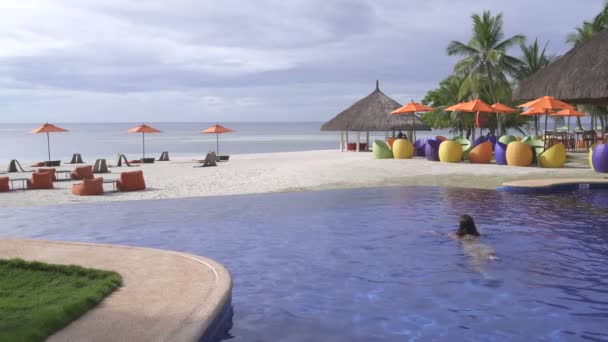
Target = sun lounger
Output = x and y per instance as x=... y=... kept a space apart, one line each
x=15 y=166
x=164 y=156
x=100 y=166
x=52 y=163
x=41 y=180
x=122 y=159
x=76 y=159
x=210 y=160
x=131 y=181
x=82 y=172
x=88 y=187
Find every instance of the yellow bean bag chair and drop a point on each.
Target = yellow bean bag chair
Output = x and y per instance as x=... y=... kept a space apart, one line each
x=554 y=157
x=481 y=154
x=403 y=149
x=519 y=154
x=450 y=151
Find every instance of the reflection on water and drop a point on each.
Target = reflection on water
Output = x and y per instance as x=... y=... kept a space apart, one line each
x=360 y=265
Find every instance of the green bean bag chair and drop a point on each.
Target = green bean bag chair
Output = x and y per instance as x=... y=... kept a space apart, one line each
x=554 y=157
x=536 y=144
x=450 y=151
x=403 y=149
x=381 y=150
x=519 y=154
x=506 y=139
x=465 y=144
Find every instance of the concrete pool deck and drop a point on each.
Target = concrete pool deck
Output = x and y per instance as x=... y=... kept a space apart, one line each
x=165 y=296
x=547 y=184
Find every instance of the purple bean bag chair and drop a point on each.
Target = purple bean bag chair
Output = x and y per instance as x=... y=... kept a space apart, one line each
x=493 y=139
x=500 y=153
x=419 y=147
x=480 y=140
x=600 y=158
x=431 y=149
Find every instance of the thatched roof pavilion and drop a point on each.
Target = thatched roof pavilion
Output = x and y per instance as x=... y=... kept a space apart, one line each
x=371 y=114
x=579 y=77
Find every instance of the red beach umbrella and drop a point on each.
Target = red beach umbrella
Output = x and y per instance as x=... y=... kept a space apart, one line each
x=217 y=130
x=143 y=129
x=48 y=128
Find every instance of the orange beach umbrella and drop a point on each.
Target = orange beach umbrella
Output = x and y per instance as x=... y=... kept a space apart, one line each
x=411 y=108
x=547 y=104
x=474 y=106
x=503 y=109
x=569 y=112
x=48 y=128
x=217 y=130
x=143 y=129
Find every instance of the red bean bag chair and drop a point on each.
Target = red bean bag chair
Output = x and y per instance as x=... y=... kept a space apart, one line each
x=88 y=187
x=4 y=184
x=135 y=161
x=131 y=181
x=51 y=170
x=82 y=172
x=38 y=164
x=41 y=180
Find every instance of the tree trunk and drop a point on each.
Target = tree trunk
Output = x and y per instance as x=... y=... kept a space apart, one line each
x=491 y=80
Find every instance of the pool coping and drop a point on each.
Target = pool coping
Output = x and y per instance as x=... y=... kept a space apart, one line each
x=556 y=184
x=165 y=296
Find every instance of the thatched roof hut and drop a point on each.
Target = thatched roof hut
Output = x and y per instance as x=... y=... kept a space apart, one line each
x=371 y=114
x=579 y=77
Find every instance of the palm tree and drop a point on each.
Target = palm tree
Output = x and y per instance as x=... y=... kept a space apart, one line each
x=532 y=60
x=588 y=28
x=448 y=93
x=486 y=54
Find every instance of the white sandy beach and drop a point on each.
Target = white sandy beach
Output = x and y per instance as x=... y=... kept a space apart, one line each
x=292 y=171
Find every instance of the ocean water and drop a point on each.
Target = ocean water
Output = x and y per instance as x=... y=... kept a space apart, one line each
x=105 y=140
x=363 y=265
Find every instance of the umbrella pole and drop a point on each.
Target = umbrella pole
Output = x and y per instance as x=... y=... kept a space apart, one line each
x=217 y=143
x=143 y=145
x=545 y=135
x=48 y=144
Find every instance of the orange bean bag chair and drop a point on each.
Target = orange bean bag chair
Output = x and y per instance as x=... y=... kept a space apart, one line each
x=82 y=172
x=38 y=164
x=519 y=154
x=50 y=169
x=481 y=154
x=131 y=181
x=390 y=142
x=4 y=184
x=441 y=138
x=41 y=180
x=88 y=187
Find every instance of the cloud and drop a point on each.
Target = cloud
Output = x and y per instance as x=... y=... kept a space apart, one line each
x=264 y=56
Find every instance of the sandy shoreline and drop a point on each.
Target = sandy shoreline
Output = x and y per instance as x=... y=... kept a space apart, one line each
x=294 y=171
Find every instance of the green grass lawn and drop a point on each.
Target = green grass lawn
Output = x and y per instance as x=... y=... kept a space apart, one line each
x=37 y=299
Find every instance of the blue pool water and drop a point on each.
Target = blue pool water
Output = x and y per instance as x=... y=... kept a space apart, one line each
x=361 y=265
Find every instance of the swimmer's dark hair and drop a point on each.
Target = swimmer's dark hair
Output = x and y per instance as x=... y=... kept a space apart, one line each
x=467 y=226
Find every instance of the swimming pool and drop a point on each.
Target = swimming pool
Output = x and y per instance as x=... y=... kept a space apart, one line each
x=361 y=265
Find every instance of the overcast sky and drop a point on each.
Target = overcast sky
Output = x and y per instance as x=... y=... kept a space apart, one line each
x=204 y=60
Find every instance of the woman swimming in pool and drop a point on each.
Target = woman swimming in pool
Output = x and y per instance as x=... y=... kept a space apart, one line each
x=469 y=236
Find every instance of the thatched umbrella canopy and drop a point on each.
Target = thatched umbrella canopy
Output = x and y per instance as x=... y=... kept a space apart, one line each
x=580 y=76
x=371 y=114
